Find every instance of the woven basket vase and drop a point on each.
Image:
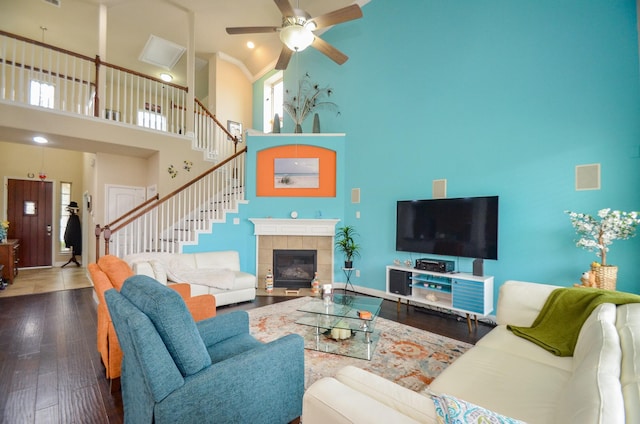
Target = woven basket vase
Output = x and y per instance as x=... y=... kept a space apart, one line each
x=606 y=276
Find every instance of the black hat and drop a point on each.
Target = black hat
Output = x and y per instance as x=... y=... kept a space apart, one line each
x=73 y=205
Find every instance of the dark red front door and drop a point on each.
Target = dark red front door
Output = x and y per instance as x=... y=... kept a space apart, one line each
x=30 y=216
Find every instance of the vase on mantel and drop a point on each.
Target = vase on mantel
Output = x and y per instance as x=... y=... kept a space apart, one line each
x=298 y=129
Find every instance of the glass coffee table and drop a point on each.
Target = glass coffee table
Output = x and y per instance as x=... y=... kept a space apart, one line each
x=345 y=326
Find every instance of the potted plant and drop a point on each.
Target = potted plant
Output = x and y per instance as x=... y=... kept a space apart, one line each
x=597 y=234
x=345 y=243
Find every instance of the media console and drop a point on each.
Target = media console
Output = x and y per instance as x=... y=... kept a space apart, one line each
x=465 y=293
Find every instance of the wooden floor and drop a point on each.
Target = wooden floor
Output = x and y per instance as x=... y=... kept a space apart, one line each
x=50 y=370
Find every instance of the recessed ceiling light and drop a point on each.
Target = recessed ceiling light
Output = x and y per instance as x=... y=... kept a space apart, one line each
x=250 y=44
x=41 y=140
x=166 y=77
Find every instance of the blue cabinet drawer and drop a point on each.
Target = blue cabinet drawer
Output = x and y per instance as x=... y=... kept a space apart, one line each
x=468 y=296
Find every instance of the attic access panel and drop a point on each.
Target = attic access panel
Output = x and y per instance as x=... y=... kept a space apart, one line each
x=161 y=52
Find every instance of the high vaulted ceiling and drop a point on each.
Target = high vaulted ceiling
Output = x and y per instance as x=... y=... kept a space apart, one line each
x=74 y=26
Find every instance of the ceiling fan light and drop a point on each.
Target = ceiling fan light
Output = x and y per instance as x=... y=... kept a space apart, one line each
x=296 y=37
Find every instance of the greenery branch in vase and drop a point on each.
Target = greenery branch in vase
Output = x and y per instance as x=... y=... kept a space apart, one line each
x=345 y=242
x=309 y=98
x=598 y=233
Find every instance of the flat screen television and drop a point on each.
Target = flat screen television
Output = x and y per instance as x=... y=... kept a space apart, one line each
x=464 y=227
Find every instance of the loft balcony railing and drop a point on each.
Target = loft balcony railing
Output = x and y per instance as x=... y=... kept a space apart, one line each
x=38 y=74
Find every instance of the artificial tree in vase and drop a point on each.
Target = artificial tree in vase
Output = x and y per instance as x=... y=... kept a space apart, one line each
x=597 y=234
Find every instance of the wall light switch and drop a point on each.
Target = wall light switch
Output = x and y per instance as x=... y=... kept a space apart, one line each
x=236 y=221
x=357 y=273
x=358 y=214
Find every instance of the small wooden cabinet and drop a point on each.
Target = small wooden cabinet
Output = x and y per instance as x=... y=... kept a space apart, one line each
x=10 y=258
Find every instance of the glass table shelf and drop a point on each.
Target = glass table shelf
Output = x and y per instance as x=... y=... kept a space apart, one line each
x=337 y=327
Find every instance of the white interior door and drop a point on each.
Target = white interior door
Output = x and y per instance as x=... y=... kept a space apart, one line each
x=120 y=200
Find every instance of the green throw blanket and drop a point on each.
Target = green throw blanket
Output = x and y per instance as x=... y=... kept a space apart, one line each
x=559 y=322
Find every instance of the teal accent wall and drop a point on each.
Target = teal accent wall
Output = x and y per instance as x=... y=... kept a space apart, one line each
x=498 y=97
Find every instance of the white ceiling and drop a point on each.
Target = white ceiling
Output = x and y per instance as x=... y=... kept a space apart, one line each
x=130 y=23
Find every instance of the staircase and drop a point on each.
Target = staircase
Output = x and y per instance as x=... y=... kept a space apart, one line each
x=176 y=220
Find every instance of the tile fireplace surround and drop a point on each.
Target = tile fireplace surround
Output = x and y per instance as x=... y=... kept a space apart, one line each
x=309 y=234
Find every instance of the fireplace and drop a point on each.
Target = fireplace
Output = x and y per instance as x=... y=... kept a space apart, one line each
x=293 y=269
x=295 y=234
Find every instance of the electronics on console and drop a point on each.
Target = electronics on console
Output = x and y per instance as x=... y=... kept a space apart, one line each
x=435 y=265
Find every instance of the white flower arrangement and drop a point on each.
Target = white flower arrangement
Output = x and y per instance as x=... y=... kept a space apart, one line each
x=597 y=235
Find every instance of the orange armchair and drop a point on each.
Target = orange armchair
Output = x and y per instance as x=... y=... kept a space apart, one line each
x=110 y=272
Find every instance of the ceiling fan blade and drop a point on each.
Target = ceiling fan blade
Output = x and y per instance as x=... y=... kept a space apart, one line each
x=251 y=30
x=327 y=49
x=338 y=16
x=285 y=57
x=285 y=8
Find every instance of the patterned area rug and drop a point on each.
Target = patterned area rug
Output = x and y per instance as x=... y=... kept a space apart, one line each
x=406 y=355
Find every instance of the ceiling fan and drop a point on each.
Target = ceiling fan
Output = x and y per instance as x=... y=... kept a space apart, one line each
x=297 y=30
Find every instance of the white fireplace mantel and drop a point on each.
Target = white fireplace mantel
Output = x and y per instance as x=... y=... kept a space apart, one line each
x=294 y=227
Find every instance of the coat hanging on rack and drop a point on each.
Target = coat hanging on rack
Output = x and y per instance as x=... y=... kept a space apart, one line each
x=73 y=234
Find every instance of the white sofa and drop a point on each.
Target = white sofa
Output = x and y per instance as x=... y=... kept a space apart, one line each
x=217 y=273
x=507 y=374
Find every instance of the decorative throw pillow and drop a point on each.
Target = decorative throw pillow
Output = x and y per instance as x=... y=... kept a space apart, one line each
x=159 y=272
x=451 y=410
x=151 y=268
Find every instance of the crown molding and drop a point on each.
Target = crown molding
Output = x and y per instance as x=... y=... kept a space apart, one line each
x=238 y=63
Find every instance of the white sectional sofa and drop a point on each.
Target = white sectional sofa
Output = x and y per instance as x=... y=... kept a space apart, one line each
x=217 y=273
x=508 y=374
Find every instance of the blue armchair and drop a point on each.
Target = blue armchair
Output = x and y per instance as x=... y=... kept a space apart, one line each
x=177 y=371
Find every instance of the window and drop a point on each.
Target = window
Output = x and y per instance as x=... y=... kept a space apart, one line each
x=65 y=199
x=273 y=100
x=42 y=94
x=153 y=120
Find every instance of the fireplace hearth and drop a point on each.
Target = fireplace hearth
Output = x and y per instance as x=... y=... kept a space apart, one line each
x=293 y=269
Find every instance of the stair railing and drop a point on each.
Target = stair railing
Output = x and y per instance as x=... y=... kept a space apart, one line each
x=211 y=136
x=107 y=228
x=179 y=217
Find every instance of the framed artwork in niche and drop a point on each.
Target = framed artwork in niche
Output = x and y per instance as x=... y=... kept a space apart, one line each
x=296 y=171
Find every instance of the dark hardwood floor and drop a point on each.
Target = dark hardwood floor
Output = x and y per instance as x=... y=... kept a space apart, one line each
x=50 y=369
